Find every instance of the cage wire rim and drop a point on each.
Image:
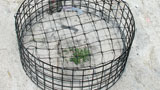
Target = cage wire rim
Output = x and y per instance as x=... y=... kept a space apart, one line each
x=86 y=68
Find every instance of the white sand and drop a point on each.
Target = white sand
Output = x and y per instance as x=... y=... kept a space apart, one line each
x=142 y=70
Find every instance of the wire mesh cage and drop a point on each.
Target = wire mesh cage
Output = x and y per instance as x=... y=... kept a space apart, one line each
x=74 y=44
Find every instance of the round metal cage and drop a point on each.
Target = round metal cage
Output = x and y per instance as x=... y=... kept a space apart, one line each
x=74 y=44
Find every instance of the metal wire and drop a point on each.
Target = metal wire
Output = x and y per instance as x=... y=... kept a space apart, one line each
x=51 y=32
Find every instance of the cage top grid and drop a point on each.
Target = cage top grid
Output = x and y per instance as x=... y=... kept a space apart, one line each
x=74 y=40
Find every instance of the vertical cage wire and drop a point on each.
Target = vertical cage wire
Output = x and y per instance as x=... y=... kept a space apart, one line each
x=74 y=44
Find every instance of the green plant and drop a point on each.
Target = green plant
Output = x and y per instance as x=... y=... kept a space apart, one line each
x=79 y=55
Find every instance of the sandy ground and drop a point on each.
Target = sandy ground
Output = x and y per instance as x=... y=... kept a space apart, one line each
x=143 y=68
